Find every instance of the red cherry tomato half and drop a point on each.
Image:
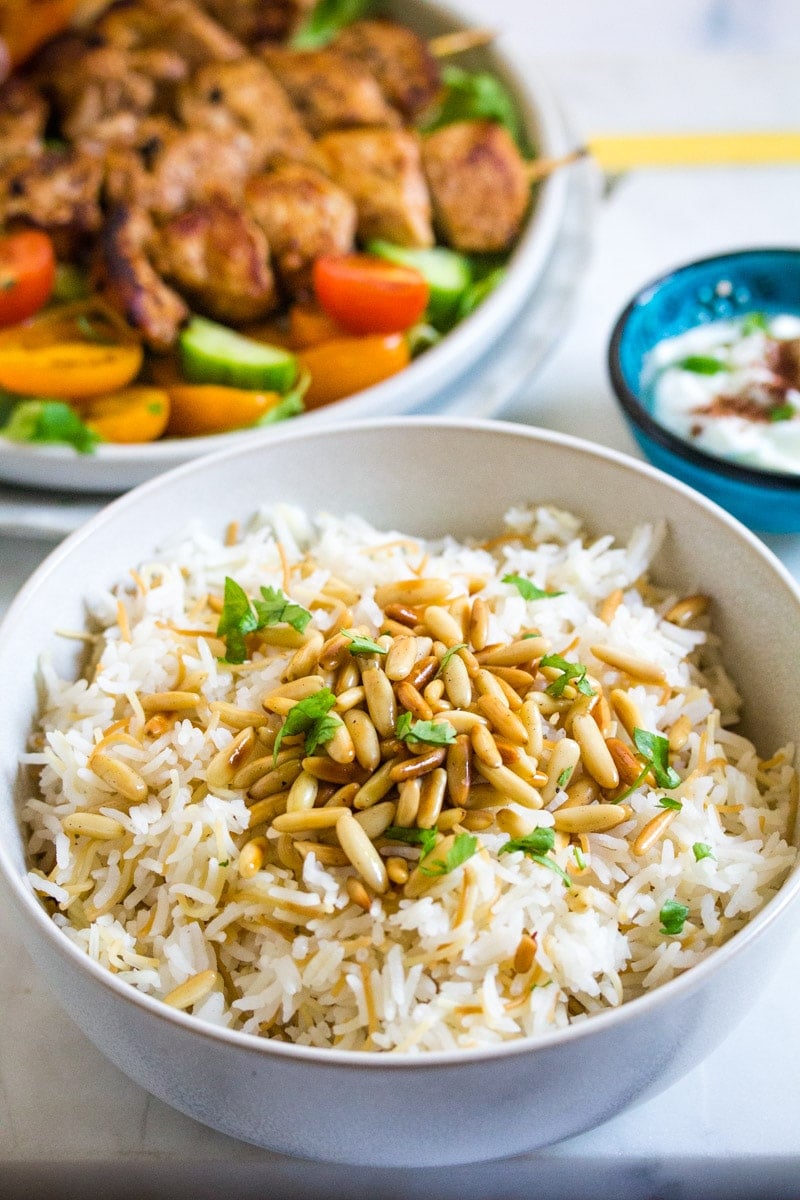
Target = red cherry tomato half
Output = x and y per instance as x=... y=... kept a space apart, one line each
x=27 y=274
x=369 y=295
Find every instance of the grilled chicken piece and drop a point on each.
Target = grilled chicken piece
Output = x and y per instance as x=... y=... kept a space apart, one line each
x=93 y=84
x=328 y=91
x=260 y=20
x=304 y=215
x=381 y=170
x=218 y=257
x=478 y=185
x=56 y=190
x=124 y=275
x=407 y=73
x=23 y=116
x=189 y=32
x=168 y=168
x=226 y=98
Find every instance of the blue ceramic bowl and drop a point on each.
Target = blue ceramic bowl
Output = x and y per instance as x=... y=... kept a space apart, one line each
x=727 y=285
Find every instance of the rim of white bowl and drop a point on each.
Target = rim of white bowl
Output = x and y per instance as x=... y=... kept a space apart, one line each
x=332 y=1057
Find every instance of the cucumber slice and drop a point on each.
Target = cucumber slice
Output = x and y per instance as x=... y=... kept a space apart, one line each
x=212 y=353
x=448 y=275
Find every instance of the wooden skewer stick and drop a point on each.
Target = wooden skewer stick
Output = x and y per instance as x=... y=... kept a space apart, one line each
x=448 y=44
x=540 y=168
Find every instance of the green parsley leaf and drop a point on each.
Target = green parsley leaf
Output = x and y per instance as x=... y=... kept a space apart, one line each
x=574 y=673
x=528 y=590
x=462 y=848
x=363 y=645
x=673 y=917
x=754 y=322
x=325 y=20
x=655 y=748
x=424 y=838
x=670 y=802
x=435 y=733
x=782 y=412
x=478 y=291
x=448 y=654
x=474 y=96
x=701 y=364
x=702 y=850
x=536 y=845
x=310 y=716
x=579 y=857
x=275 y=609
x=49 y=422
x=563 y=778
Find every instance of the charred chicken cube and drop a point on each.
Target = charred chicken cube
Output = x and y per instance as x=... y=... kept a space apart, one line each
x=399 y=59
x=304 y=215
x=478 y=185
x=218 y=257
x=23 y=117
x=245 y=96
x=328 y=91
x=57 y=191
x=182 y=27
x=381 y=169
x=255 y=21
x=126 y=278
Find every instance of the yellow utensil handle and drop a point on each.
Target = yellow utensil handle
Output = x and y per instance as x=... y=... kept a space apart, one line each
x=625 y=152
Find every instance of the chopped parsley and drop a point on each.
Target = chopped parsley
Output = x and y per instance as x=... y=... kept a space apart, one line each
x=448 y=654
x=49 y=422
x=312 y=717
x=325 y=20
x=537 y=845
x=434 y=733
x=474 y=96
x=702 y=364
x=653 y=748
x=782 y=412
x=579 y=857
x=670 y=802
x=574 y=673
x=754 y=322
x=462 y=848
x=362 y=645
x=424 y=838
x=528 y=590
x=673 y=917
x=241 y=616
x=701 y=850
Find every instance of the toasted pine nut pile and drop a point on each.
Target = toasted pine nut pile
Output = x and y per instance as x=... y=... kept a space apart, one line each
x=388 y=805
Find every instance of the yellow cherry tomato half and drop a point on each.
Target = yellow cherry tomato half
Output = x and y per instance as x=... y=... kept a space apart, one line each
x=68 y=370
x=136 y=414
x=347 y=365
x=203 y=408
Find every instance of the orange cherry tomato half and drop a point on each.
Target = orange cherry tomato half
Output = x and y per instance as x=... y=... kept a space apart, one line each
x=27 y=274
x=311 y=325
x=202 y=408
x=136 y=414
x=345 y=366
x=369 y=295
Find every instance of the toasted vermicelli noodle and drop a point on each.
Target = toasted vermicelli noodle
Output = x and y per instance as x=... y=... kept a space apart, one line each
x=380 y=794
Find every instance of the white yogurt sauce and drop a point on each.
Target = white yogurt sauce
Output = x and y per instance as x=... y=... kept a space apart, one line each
x=701 y=408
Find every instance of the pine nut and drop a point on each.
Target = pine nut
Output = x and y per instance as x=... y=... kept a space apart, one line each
x=341 y=797
x=627 y=711
x=327 y=856
x=410 y=699
x=312 y=818
x=305 y=659
x=276 y=780
x=477 y=821
x=364 y=737
x=251 y=857
x=420 y=764
x=408 y=803
x=192 y=990
x=525 y=954
x=263 y=811
x=380 y=699
x=679 y=733
x=478 y=629
x=169 y=701
x=412 y=593
x=521 y=681
x=361 y=852
x=402 y=614
x=687 y=610
x=340 y=746
x=630 y=664
x=374 y=821
x=348 y=677
x=590 y=818
x=226 y=762
x=457 y=685
x=515 y=654
x=448 y=819
x=303 y=793
x=350 y=698
x=595 y=755
x=289 y=855
x=515 y=824
x=513 y=698
x=459 y=770
x=238 y=718
x=626 y=762
x=397 y=870
x=487 y=684
x=531 y=718
x=284 y=697
x=358 y=893
x=424 y=671
x=442 y=625
x=650 y=833
x=563 y=761
x=431 y=798
x=509 y=785
x=485 y=747
x=401 y=656
x=502 y=720
x=324 y=768
x=582 y=791
x=377 y=786
x=120 y=776
x=92 y=825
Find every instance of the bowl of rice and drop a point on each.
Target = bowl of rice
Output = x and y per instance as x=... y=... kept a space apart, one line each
x=411 y=760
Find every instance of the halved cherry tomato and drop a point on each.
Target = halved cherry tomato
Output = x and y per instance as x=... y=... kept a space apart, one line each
x=369 y=295
x=310 y=326
x=137 y=414
x=202 y=408
x=27 y=274
x=345 y=366
x=69 y=353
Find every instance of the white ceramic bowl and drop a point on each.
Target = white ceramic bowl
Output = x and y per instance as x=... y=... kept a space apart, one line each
x=427 y=477
x=460 y=359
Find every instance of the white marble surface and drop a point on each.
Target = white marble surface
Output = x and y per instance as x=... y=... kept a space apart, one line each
x=70 y=1124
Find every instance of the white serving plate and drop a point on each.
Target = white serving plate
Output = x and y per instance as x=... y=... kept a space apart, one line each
x=462 y=357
